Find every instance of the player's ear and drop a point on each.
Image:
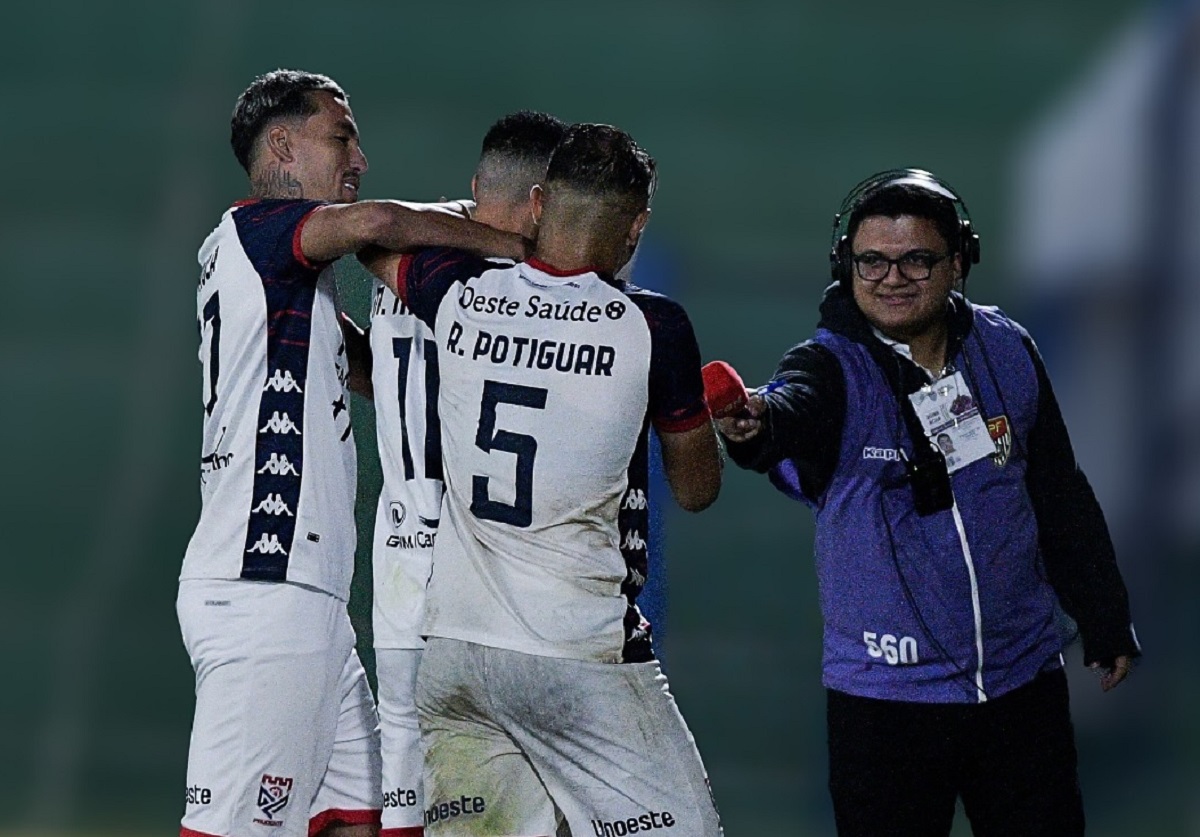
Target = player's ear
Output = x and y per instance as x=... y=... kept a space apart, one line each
x=278 y=144
x=537 y=197
x=639 y=224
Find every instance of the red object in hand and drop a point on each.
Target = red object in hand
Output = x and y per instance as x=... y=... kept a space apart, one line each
x=723 y=389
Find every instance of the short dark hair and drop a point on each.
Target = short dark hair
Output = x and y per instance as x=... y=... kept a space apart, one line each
x=526 y=136
x=274 y=95
x=908 y=199
x=603 y=161
x=515 y=153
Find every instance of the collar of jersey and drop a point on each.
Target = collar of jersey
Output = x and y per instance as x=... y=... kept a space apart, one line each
x=538 y=264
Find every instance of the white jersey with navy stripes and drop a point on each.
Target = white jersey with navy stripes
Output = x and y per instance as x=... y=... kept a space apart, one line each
x=547 y=384
x=277 y=470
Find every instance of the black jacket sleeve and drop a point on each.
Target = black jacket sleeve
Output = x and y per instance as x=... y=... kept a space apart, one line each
x=1077 y=549
x=806 y=409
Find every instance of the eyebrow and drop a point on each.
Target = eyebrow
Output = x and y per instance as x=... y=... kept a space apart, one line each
x=345 y=124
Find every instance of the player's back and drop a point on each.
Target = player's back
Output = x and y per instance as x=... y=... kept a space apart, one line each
x=545 y=395
x=278 y=465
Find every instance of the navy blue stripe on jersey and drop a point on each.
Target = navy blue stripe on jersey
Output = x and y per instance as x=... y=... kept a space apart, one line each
x=633 y=528
x=676 y=385
x=425 y=277
x=268 y=231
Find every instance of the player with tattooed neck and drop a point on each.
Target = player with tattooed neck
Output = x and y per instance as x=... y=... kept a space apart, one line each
x=286 y=734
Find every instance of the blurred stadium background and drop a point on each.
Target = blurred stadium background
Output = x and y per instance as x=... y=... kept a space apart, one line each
x=1070 y=127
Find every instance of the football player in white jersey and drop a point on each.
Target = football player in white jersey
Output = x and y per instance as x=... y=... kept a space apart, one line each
x=404 y=376
x=285 y=737
x=538 y=681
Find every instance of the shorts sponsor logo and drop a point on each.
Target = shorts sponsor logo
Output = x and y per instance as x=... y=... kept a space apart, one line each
x=887 y=454
x=400 y=798
x=440 y=811
x=196 y=795
x=649 y=821
x=274 y=793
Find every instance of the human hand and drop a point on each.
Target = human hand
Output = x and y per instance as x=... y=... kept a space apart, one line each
x=1111 y=676
x=744 y=425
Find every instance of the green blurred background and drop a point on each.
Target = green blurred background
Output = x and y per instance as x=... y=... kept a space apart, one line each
x=761 y=114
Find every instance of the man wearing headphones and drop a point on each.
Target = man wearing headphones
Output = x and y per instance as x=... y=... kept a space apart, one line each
x=939 y=573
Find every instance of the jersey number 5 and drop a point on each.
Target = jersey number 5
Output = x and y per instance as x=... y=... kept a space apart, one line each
x=488 y=439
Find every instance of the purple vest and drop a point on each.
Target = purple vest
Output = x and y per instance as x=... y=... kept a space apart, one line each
x=950 y=607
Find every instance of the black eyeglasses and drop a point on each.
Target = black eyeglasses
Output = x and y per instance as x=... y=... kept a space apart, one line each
x=915 y=265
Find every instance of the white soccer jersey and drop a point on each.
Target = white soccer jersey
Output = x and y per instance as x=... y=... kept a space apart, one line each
x=404 y=377
x=547 y=383
x=277 y=472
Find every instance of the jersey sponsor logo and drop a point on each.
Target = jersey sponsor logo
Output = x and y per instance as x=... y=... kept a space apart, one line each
x=274 y=793
x=196 y=795
x=536 y=308
x=888 y=454
x=1001 y=432
x=280 y=425
x=268 y=545
x=216 y=460
x=633 y=540
x=282 y=381
x=649 y=821
x=635 y=499
x=533 y=353
x=615 y=310
x=279 y=465
x=440 y=811
x=396 y=513
x=273 y=504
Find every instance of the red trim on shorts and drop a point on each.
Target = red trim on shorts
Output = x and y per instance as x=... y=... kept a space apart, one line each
x=297 y=250
x=184 y=831
x=365 y=816
x=408 y=831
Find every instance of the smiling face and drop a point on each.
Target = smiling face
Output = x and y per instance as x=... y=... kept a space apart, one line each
x=901 y=308
x=327 y=159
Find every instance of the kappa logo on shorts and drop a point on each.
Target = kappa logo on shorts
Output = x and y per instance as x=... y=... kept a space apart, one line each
x=274 y=793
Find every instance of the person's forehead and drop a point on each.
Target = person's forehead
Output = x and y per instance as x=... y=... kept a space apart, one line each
x=913 y=230
x=332 y=108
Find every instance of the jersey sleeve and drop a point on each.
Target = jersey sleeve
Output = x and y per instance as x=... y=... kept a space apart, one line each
x=676 y=384
x=270 y=234
x=425 y=277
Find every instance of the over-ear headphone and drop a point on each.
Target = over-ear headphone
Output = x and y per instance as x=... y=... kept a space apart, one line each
x=840 y=261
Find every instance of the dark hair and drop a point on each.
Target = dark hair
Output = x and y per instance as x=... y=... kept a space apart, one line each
x=274 y=95
x=907 y=199
x=526 y=136
x=603 y=161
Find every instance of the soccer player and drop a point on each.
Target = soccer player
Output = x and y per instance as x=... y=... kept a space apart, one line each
x=538 y=685
x=285 y=736
x=404 y=380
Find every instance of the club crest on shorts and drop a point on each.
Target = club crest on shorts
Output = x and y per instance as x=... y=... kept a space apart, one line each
x=273 y=796
x=1001 y=433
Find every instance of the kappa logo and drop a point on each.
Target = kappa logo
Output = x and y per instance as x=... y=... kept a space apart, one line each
x=279 y=464
x=274 y=793
x=282 y=381
x=280 y=425
x=633 y=540
x=635 y=578
x=615 y=310
x=635 y=498
x=273 y=504
x=887 y=454
x=268 y=545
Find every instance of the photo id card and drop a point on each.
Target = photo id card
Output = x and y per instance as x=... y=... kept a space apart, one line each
x=952 y=421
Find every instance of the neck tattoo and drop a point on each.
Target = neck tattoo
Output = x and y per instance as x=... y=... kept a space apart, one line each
x=277 y=182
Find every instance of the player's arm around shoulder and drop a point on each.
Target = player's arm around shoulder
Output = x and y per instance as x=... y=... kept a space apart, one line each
x=692 y=462
x=337 y=230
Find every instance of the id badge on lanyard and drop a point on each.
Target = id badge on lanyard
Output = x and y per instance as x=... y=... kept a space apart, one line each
x=951 y=420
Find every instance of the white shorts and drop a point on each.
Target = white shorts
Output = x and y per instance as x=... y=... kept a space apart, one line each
x=403 y=763
x=285 y=739
x=509 y=736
